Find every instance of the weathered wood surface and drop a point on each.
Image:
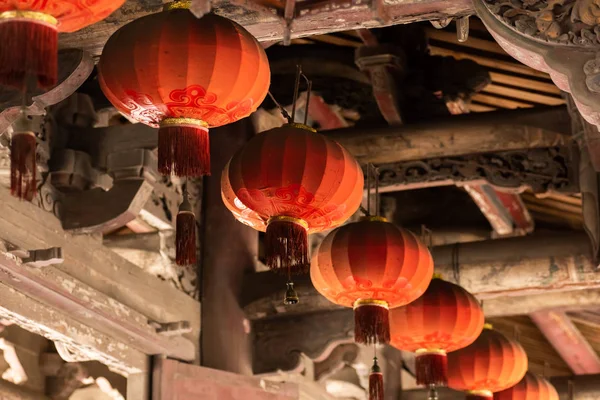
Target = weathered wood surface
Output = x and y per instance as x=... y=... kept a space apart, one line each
x=90 y=307
x=268 y=27
x=173 y=380
x=568 y=341
x=461 y=134
x=491 y=269
x=60 y=327
x=121 y=285
x=10 y=391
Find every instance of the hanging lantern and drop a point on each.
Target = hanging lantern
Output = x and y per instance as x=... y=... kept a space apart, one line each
x=531 y=387
x=289 y=182
x=490 y=364
x=446 y=318
x=372 y=266
x=29 y=36
x=184 y=75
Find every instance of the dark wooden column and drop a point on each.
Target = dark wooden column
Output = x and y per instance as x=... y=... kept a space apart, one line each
x=229 y=250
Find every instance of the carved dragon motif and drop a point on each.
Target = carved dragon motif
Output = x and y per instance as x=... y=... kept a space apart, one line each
x=568 y=22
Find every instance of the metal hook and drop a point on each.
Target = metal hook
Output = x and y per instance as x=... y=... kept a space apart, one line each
x=296 y=88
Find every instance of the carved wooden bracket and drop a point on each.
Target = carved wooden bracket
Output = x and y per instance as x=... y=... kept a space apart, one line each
x=540 y=169
x=558 y=37
x=279 y=342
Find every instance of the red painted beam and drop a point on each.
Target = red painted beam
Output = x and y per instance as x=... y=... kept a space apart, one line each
x=505 y=211
x=568 y=341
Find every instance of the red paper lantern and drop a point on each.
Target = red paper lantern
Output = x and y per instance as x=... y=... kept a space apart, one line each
x=372 y=266
x=531 y=387
x=291 y=181
x=29 y=35
x=446 y=318
x=490 y=364
x=184 y=75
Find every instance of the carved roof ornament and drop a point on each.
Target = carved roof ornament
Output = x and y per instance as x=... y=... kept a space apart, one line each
x=569 y=22
x=559 y=37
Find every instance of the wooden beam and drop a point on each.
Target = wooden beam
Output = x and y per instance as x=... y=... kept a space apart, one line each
x=90 y=307
x=87 y=262
x=474 y=43
x=174 y=380
x=531 y=84
x=568 y=341
x=507 y=66
x=265 y=25
x=499 y=101
x=524 y=95
x=522 y=266
x=574 y=300
x=474 y=107
x=505 y=211
x=458 y=135
x=63 y=328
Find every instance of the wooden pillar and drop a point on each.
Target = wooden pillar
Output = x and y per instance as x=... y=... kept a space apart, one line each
x=229 y=250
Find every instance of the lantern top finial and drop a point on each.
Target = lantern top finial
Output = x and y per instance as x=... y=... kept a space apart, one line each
x=178 y=5
x=374 y=218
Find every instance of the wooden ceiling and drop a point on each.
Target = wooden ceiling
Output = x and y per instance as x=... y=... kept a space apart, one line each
x=514 y=85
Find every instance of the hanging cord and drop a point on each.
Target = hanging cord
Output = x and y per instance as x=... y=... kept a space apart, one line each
x=296 y=88
x=281 y=108
x=377 y=200
x=308 y=92
x=368 y=213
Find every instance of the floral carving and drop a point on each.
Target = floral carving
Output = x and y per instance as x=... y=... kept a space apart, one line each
x=575 y=22
x=592 y=74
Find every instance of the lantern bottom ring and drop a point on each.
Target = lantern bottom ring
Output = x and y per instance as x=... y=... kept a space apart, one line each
x=29 y=16
x=480 y=394
x=283 y=218
x=371 y=302
x=184 y=121
x=430 y=351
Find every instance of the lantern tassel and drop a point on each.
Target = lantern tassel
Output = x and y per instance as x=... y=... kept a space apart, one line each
x=432 y=368
x=371 y=322
x=183 y=148
x=185 y=235
x=29 y=50
x=375 y=382
x=286 y=245
x=22 y=165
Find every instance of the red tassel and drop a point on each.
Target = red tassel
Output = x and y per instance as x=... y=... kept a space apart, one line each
x=432 y=369
x=375 y=382
x=371 y=322
x=185 y=235
x=22 y=165
x=286 y=245
x=183 y=150
x=29 y=51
